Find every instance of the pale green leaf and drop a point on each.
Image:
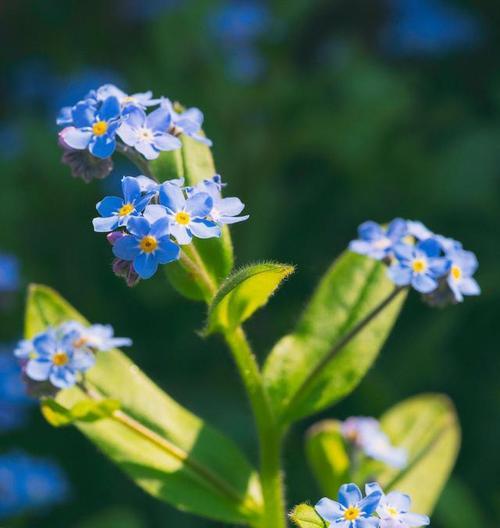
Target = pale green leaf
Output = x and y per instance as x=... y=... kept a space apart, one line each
x=192 y=466
x=244 y=292
x=84 y=411
x=349 y=291
x=305 y=516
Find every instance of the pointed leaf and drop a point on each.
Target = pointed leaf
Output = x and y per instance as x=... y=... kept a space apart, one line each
x=305 y=516
x=172 y=454
x=244 y=292
x=352 y=288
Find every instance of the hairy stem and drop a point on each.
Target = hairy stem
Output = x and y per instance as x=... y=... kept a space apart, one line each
x=191 y=261
x=341 y=343
x=136 y=159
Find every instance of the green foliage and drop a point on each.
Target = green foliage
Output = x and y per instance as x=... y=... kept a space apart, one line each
x=305 y=516
x=164 y=448
x=194 y=163
x=349 y=291
x=82 y=411
x=244 y=292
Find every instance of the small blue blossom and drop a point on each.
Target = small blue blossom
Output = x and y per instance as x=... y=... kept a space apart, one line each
x=94 y=127
x=188 y=217
x=148 y=134
x=139 y=100
x=463 y=264
x=56 y=359
x=188 y=122
x=378 y=242
x=351 y=510
x=116 y=212
x=148 y=244
x=94 y=338
x=420 y=265
x=9 y=273
x=365 y=434
x=28 y=483
x=224 y=210
x=418 y=230
x=394 y=509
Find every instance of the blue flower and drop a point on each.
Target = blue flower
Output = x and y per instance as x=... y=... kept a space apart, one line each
x=419 y=265
x=94 y=338
x=9 y=273
x=365 y=434
x=147 y=245
x=139 y=100
x=418 y=230
x=57 y=360
x=463 y=264
x=224 y=210
x=94 y=127
x=28 y=483
x=148 y=134
x=394 y=509
x=351 y=510
x=188 y=122
x=116 y=212
x=188 y=217
x=378 y=242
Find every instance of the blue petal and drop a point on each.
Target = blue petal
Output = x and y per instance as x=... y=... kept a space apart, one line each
x=199 y=205
x=371 y=522
x=404 y=251
x=204 y=229
x=329 y=510
x=430 y=247
x=127 y=134
x=102 y=146
x=160 y=228
x=439 y=267
x=146 y=265
x=65 y=117
x=371 y=487
x=136 y=117
x=130 y=188
x=38 y=369
x=397 y=229
x=370 y=231
x=423 y=283
x=76 y=138
x=110 y=109
x=369 y=504
x=104 y=225
x=138 y=226
x=167 y=142
x=400 y=501
x=62 y=377
x=181 y=234
x=45 y=344
x=159 y=120
x=83 y=115
x=167 y=251
x=232 y=219
x=154 y=212
x=349 y=495
x=172 y=197
x=414 y=519
x=109 y=205
x=469 y=286
x=229 y=206
x=147 y=149
x=126 y=248
x=82 y=360
x=401 y=276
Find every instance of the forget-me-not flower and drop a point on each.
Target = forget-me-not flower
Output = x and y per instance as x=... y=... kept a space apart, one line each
x=187 y=122
x=463 y=265
x=394 y=509
x=148 y=134
x=376 y=241
x=188 y=217
x=351 y=510
x=94 y=127
x=419 y=266
x=147 y=246
x=116 y=212
x=57 y=360
x=96 y=337
x=140 y=100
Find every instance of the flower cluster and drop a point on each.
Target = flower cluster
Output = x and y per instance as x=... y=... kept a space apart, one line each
x=108 y=117
x=150 y=221
x=375 y=510
x=56 y=358
x=434 y=265
x=365 y=435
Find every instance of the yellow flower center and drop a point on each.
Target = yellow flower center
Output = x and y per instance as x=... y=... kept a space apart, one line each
x=125 y=209
x=392 y=511
x=419 y=265
x=128 y=99
x=456 y=272
x=60 y=359
x=351 y=513
x=183 y=218
x=148 y=244
x=99 y=128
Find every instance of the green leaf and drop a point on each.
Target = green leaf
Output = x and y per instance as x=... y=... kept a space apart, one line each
x=305 y=516
x=192 y=466
x=56 y=414
x=327 y=456
x=427 y=426
x=84 y=411
x=194 y=163
x=244 y=292
x=349 y=291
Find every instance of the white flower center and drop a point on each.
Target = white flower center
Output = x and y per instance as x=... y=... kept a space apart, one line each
x=145 y=134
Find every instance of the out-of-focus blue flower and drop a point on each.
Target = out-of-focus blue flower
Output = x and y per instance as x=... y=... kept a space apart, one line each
x=351 y=510
x=463 y=264
x=365 y=434
x=224 y=210
x=14 y=404
x=148 y=133
x=56 y=359
x=378 y=242
x=96 y=337
x=418 y=230
x=140 y=100
x=12 y=139
x=28 y=483
x=245 y=63
x=116 y=212
x=148 y=244
x=419 y=266
x=429 y=27
x=188 y=217
x=394 y=509
x=9 y=273
x=94 y=127
x=188 y=122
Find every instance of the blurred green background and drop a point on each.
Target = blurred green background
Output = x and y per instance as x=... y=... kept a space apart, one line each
x=323 y=114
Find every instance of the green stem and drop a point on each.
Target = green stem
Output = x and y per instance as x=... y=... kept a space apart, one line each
x=341 y=343
x=136 y=159
x=269 y=434
x=192 y=263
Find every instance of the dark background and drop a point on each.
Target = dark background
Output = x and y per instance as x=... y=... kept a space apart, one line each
x=323 y=114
